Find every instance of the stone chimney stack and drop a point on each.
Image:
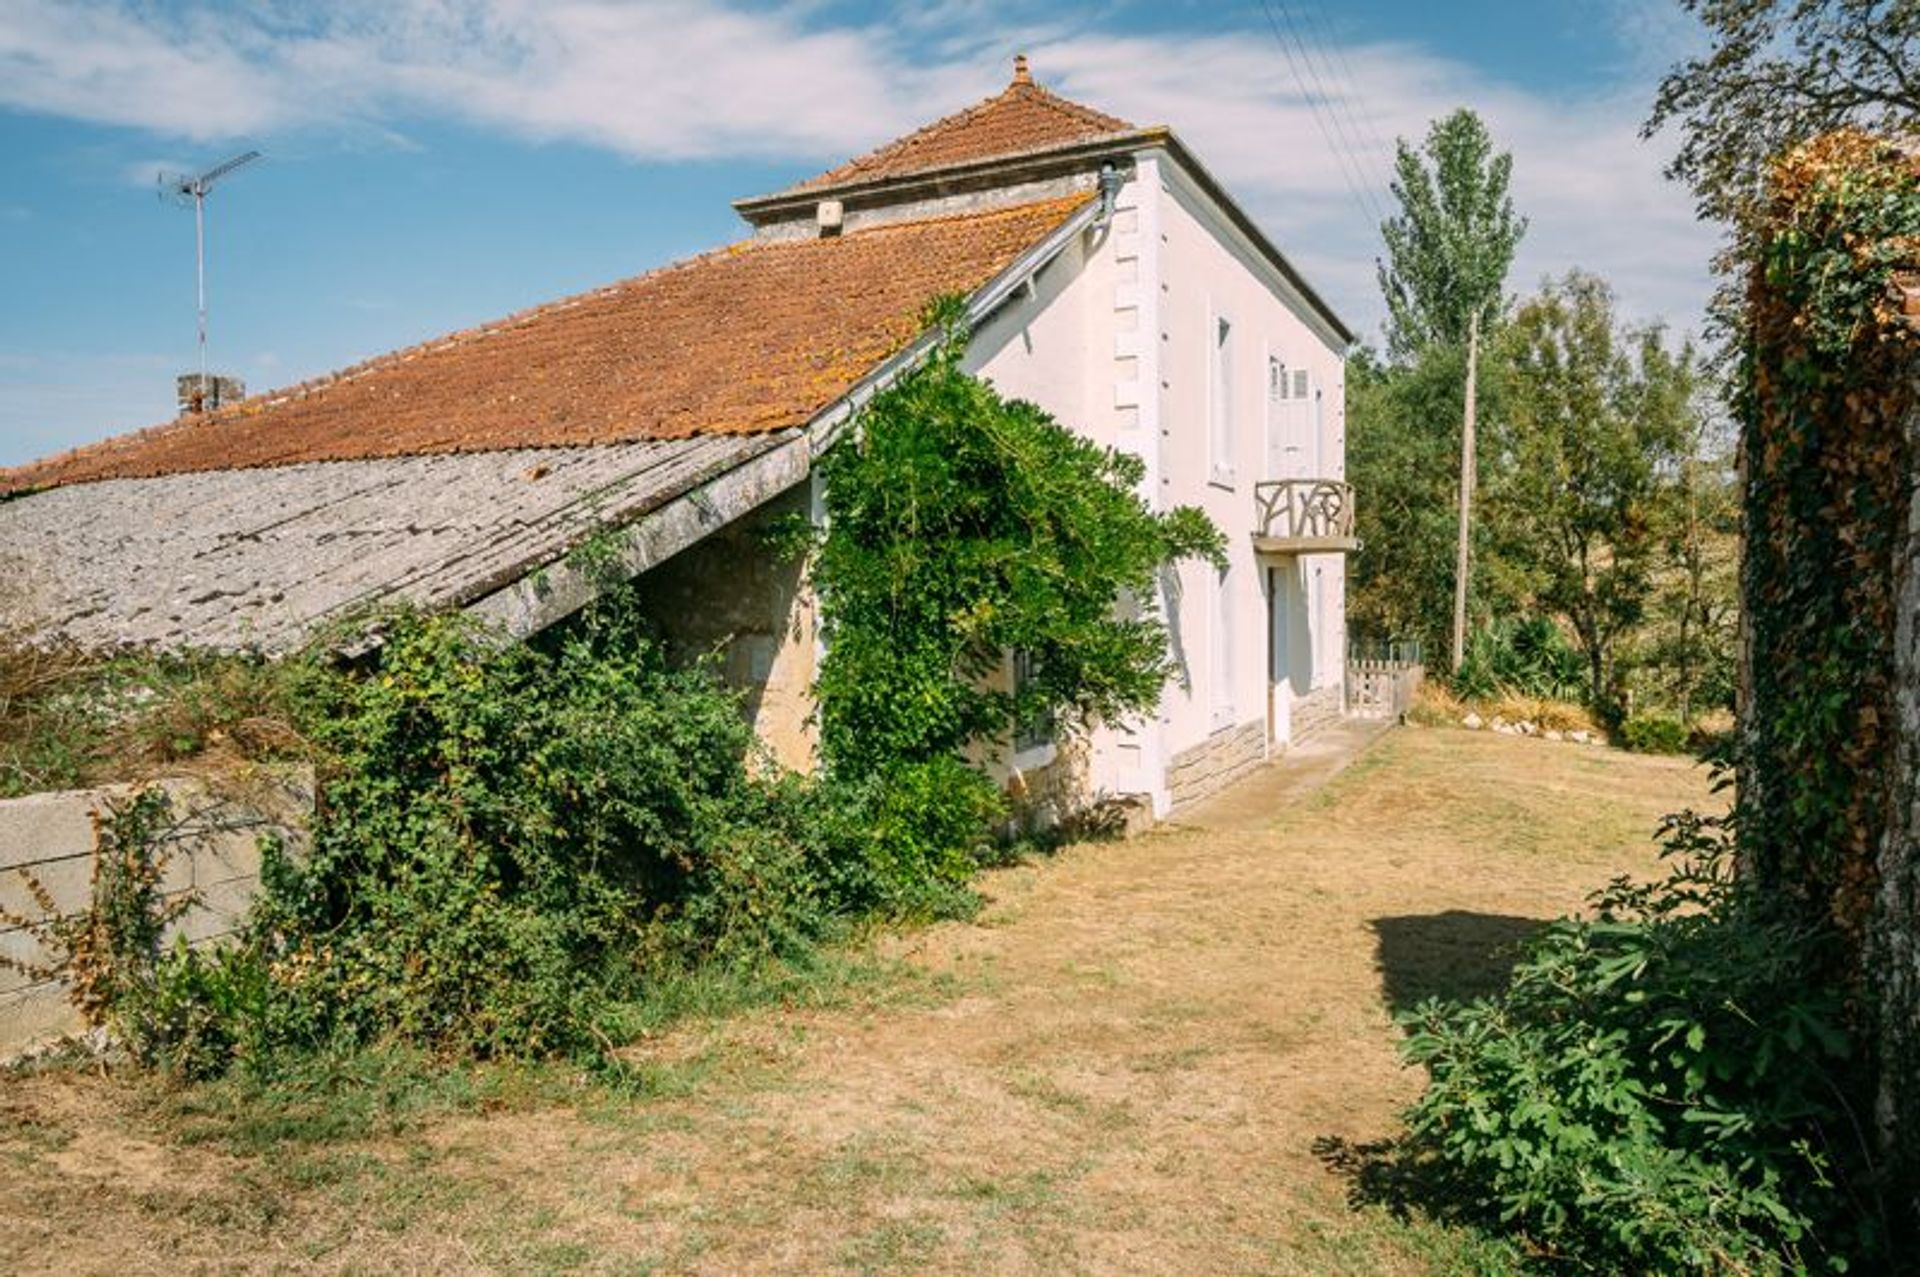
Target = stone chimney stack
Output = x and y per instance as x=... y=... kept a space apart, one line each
x=203 y=392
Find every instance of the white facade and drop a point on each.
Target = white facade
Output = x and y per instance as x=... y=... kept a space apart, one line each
x=1170 y=334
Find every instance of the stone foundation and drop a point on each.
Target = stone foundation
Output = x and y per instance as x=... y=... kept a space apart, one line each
x=1315 y=712
x=1216 y=762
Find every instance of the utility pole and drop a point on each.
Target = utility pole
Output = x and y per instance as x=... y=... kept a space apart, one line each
x=1466 y=497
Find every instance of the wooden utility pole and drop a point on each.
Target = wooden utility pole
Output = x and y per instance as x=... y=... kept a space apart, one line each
x=1466 y=498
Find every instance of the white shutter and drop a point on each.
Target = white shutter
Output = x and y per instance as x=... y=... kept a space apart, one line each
x=1220 y=401
x=1291 y=451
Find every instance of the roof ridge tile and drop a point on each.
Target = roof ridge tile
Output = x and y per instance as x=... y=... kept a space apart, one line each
x=956 y=129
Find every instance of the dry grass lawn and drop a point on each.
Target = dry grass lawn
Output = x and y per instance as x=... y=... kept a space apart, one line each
x=1121 y=1066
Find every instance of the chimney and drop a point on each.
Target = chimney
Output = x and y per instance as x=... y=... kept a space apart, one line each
x=1021 y=75
x=830 y=217
x=203 y=392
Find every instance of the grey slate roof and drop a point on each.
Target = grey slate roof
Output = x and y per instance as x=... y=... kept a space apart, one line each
x=256 y=559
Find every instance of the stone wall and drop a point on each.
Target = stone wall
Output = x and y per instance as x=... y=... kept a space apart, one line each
x=1316 y=711
x=46 y=851
x=1216 y=762
x=732 y=595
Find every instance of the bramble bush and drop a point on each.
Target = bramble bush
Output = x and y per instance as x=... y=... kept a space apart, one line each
x=513 y=837
x=1658 y=1089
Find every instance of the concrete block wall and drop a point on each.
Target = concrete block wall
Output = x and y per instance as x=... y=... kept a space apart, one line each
x=46 y=848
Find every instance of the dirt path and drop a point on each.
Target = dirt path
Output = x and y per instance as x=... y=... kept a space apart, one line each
x=1136 y=1048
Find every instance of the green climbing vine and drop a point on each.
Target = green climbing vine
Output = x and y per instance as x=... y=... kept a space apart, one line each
x=961 y=528
x=1825 y=389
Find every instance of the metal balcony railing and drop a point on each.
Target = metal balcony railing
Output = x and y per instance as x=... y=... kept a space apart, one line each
x=1296 y=516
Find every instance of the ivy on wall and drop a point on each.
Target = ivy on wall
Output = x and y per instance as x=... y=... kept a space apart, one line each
x=1827 y=386
x=1829 y=400
x=962 y=527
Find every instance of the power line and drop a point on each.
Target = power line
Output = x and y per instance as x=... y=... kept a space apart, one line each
x=1376 y=148
x=1304 y=41
x=1341 y=159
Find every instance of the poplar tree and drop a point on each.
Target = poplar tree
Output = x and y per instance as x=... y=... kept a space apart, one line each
x=1448 y=253
x=1452 y=244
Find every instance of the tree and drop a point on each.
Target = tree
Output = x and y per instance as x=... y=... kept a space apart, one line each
x=1404 y=469
x=1449 y=251
x=1596 y=415
x=1781 y=72
x=1693 y=617
x=1450 y=247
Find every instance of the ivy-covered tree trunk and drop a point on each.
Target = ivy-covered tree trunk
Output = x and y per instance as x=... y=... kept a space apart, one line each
x=1830 y=724
x=1894 y=928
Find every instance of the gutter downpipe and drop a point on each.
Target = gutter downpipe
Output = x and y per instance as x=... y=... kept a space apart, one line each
x=1110 y=183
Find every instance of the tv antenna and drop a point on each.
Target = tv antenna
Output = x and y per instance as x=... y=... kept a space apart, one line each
x=193 y=190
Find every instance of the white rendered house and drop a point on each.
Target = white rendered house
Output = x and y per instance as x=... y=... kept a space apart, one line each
x=1111 y=280
x=1160 y=321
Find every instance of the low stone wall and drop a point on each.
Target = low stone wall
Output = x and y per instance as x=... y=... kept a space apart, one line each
x=46 y=857
x=1221 y=759
x=1315 y=712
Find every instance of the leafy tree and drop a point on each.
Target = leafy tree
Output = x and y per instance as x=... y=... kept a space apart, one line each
x=1449 y=249
x=1780 y=72
x=1402 y=458
x=1596 y=415
x=1693 y=616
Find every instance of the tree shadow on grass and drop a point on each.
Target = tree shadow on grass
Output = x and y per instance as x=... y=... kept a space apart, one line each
x=1456 y=956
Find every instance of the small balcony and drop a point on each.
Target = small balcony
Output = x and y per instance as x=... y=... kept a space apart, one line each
x=1304 y=516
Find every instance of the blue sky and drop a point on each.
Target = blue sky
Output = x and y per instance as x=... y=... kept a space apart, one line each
x=433 y=164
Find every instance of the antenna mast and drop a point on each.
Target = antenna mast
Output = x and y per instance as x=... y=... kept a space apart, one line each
x=195 y=189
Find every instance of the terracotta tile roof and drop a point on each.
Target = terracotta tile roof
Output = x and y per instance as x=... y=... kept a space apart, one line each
x=1023 y=118
x=756 y=337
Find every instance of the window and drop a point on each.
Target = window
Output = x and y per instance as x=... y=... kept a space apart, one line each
x=1292 y=432
x=1284 y=384
x=1223 y=683
x=1220 y=401
x=1032 y=731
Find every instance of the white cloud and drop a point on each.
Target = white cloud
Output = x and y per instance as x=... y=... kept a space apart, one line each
x=674 y=79
x=663 y=79
x=1592 y=190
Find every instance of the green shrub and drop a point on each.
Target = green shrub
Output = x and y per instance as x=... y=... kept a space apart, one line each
x=1657 y=1090
x=1521 y=656
x=1655 y=734
x=508 y=834
x=963 y=527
